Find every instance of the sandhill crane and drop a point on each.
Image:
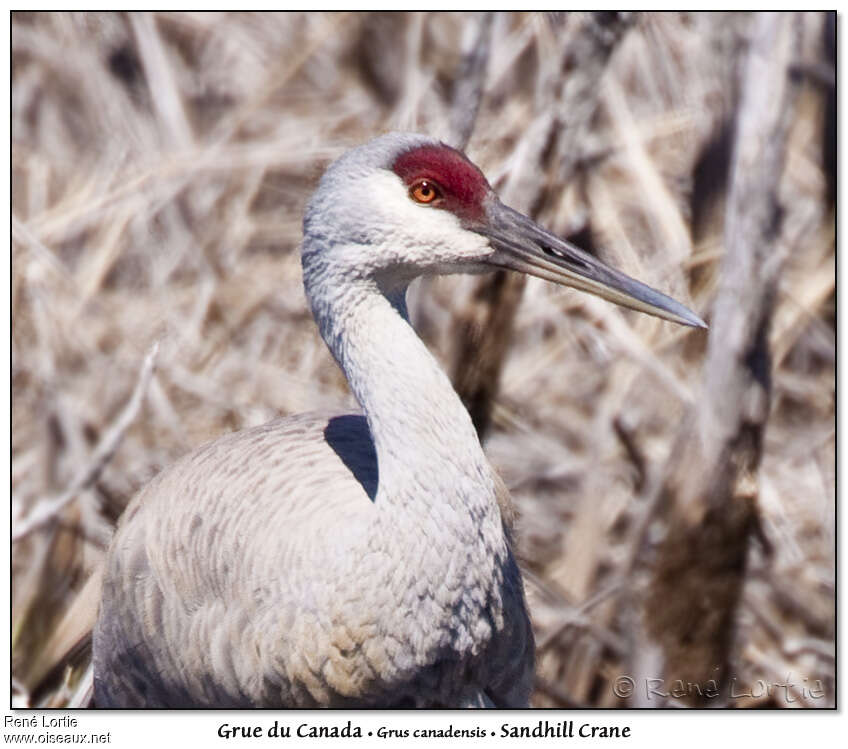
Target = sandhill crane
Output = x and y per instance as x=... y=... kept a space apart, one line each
x=353 y=560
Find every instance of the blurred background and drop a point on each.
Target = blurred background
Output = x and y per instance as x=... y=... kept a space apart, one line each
x=160 y=167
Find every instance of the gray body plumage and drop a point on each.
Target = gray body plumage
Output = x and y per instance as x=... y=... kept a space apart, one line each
x=261 y=586
x=319 y=560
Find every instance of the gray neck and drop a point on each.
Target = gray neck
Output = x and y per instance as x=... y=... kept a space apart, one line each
x=428 y=453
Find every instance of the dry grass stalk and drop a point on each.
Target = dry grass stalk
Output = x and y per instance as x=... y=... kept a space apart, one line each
x=48 y=510
x=709 y=510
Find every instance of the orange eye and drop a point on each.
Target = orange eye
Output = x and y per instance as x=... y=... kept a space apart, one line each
x=424 y=191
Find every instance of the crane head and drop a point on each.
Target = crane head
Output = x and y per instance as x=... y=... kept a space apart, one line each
x=406 y=205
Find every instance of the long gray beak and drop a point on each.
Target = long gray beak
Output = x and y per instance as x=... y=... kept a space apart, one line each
x=522 y=245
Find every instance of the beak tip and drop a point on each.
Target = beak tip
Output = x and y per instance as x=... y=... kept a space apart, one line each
x=697 y=322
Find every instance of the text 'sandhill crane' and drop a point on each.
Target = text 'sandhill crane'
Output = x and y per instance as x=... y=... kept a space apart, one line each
x=348 y=560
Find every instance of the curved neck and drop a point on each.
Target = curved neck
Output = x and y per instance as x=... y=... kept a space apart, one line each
x=426 y=445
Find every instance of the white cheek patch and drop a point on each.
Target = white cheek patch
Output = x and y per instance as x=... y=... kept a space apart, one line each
x=418 y=232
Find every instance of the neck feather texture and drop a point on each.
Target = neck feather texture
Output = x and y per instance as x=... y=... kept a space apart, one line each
x=427 y=449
